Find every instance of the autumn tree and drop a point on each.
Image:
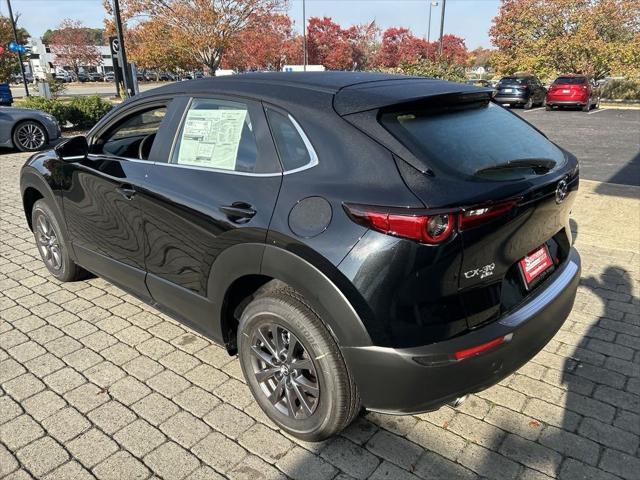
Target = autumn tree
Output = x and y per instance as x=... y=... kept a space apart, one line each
x=328 y=44
x=148 y=48
x=399 y=46
x=96 y=36
x=73 y=46
x=9 y=63
x=479 y=57
x=265 y=45
x=454 y=50
x=364 y=42
x=549 y=37
x=205 y=28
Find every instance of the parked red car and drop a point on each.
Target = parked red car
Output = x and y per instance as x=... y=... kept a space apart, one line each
x=573 y=91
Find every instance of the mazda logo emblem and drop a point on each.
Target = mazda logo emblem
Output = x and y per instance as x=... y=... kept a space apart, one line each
x=561 y=191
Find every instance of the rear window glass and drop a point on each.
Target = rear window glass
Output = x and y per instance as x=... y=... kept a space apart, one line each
x=570 y=80
x=465 y=139
x=514 y=81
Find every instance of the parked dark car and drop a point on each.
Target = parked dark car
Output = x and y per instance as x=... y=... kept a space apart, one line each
x=520 y=90
x=355 y=238
x=26 y=129
x=83 y=77
x=96 y=77
x=109 y=77
x=573 y=91
x=6 y=97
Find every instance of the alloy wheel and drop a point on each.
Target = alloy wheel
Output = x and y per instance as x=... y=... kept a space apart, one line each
x=284 y=371
x=48 y=243
x=30 y=136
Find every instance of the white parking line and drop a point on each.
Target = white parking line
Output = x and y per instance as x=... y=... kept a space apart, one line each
x=532 y=110
x=597 y=110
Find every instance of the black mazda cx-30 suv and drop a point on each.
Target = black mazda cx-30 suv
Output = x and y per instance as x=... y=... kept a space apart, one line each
x=358 y=240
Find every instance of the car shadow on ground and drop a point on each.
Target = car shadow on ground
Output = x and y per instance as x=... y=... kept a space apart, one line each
x=591 y=431
x=628 y=174
x=599 y=429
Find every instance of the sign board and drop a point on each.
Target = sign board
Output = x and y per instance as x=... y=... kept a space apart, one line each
x=114 y=46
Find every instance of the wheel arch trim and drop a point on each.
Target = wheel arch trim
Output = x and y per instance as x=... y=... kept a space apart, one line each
x=320 y=292
x=31 y=178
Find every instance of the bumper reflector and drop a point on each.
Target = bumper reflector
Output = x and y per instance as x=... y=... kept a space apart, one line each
x=470 y=352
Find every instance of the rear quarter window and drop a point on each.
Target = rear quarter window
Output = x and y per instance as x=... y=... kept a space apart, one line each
x=294 y=149
x=463 y=139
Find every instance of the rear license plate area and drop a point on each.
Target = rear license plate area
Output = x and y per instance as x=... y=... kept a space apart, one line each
x=535 y=265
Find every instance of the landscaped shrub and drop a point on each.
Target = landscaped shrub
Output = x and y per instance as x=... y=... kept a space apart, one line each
x=86 y=111
x=55 y=107
x=81 y=112
x=622 y=90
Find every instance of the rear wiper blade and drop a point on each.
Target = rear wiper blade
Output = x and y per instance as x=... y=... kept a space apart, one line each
x=538 y=165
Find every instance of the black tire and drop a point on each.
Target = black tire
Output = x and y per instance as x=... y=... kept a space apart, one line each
x=30 y=136
x=548 y=108
x=529 y=104
x=587 y=107
x=52 y=245
x=284 y=314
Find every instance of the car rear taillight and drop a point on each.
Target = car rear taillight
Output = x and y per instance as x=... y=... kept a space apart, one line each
x=412 y=224
x=422 y=225
x=470 y=217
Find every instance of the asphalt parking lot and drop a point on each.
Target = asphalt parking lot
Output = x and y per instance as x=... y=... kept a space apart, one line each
x=606 y=141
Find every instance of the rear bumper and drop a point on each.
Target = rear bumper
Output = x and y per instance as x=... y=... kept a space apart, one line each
x=580 y=102
x=392 y=381
x=510 y=99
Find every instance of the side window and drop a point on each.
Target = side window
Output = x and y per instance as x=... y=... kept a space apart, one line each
x=294 y=148
x=217 y=134
x=132 y=137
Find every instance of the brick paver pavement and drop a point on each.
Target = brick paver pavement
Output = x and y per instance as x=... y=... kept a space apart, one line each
x=94 y=383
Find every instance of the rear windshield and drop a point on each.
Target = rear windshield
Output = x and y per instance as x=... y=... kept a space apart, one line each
x=570 y=80
x=513 y=81
x=467 y=139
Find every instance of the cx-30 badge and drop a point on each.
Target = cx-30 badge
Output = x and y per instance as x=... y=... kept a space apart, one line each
x=482 y=272
x=561 y=191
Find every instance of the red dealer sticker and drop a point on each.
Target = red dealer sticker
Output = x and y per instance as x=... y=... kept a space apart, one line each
x=535 y=263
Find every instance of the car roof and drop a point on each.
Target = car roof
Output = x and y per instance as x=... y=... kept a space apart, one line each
x=351 y=91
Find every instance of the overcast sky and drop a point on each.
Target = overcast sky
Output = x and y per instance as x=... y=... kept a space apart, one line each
x=469 y=19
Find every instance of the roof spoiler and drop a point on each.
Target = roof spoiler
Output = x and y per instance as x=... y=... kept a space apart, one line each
x=410 y=91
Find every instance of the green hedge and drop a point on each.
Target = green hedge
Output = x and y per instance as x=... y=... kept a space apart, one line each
x=621 y=90
x=86 y=111
x=81 y=112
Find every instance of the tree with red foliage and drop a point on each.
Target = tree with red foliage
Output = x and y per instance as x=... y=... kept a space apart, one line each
x=73 y=46
x=328 y=44
x=399 y=46
x=364 y=44
x=268 y=44
x=454 y=49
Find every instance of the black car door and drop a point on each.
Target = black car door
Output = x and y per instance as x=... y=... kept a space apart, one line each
x=215 y=186
x=102 y=201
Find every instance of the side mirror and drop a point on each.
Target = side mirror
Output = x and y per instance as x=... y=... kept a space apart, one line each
x=73 y=149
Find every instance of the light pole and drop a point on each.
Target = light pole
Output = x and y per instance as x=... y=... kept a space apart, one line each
x=431 y=5
x=15 y=36
x=304 y=33
x=444 y=5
